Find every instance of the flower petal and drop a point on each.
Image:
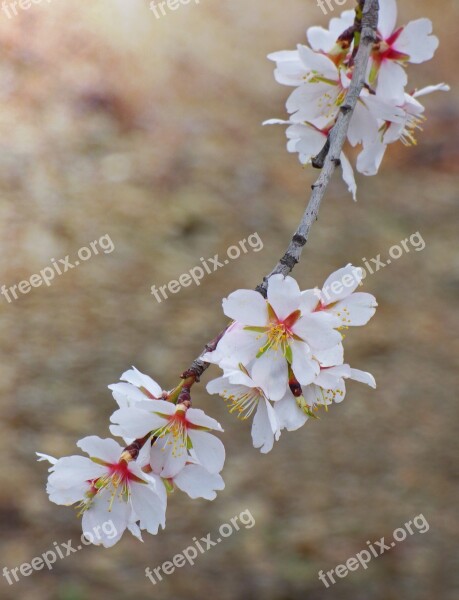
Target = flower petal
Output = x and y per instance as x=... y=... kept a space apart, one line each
x=370 y=158
x=246 y=306
x=387 y=18
x=317 y=330
x=126 y=394
x=96 y=518
x=341 y=284
x=356 y=310
x=208 y=449
x=174 y=459
x=106 y=449
x=392 y=79
x=264 y=427
x=363 y=377
x=195 y=481
x=304 y=367
x=135 y=377
x=331 y=356
x=67 y=496
x=196 y=416
x=71 y=470
x=348 y=175
x=270 y=371
x=148 y=506
x=283 y=295
x=315 y=61
x=416 y=41
x=288 y=413
x=136 y=423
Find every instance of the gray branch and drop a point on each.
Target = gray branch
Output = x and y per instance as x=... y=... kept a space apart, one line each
x=329 y=157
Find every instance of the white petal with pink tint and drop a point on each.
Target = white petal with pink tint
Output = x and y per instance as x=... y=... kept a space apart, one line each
x=416 y=41
x=283 y=295
x=209 y=450
x=247 y=307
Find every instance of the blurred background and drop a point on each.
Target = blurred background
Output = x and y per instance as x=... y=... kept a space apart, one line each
x=114 y=122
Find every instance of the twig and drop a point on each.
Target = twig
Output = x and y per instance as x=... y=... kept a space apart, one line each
x=332 y=151
x=333 y=147
x=329 y=158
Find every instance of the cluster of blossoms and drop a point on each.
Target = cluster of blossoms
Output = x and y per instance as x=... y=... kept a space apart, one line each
x=282 y=357
x=169 y=446
x=321 y=74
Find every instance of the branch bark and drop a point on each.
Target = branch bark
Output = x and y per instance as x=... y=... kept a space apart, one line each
x=366 y=23
x=328 y=159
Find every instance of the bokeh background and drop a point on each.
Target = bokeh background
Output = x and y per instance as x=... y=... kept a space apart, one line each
x=148 y=130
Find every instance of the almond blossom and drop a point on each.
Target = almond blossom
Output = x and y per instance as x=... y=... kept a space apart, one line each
x=339 y=298
x=135 y=386
x=308 y=140
x=180 y=427
x=401 y=127
x=325 y=40
x=328 y=387
x=322 y=91
x=108 y=486
x=193 y=478
x=247 y=397
x=293 y=67
x=275 y=332
x=321 y=75
x=396 y=47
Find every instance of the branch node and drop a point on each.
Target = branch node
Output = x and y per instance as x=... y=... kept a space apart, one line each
x=319 y=160
x=299 y=240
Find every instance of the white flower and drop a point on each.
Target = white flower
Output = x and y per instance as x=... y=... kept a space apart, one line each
x=323 y=91
x=396 y=47
x=406 y=117
x=247 y=397
x=193 y=478
x=328 y=387
x=180 y=427
x=324 y=40
x=338 y=298
x=108 y=487
x=321 y=75
x=292 y=66
x=308 y=140
x=135 y=387
x=275 y=333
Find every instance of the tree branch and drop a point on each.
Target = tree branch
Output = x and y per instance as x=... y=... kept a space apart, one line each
x=366 y=24
x=328 y=159
x=329 y=156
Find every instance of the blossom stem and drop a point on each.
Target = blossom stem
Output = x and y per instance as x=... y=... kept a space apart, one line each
x=131 y=452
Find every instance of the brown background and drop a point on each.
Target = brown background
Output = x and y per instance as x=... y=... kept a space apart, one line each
x=115 y=122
